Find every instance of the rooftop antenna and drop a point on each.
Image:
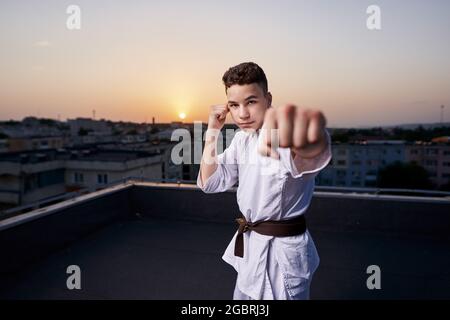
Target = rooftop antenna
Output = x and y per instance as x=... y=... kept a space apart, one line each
x=93 y=114
x=442 y=114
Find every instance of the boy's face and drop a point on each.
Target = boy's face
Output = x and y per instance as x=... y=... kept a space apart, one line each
x=248 y=105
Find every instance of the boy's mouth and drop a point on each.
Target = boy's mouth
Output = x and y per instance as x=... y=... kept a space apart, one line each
x=244 y=124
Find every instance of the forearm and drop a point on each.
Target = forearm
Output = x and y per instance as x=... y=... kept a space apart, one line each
x=208 y=164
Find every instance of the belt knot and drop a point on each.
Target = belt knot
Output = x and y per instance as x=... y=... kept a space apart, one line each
x=244 y=225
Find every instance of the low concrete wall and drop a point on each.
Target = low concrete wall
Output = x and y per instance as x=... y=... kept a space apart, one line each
x=391 y=215
x=26 y=242
x=330 y=212
x=185 y=204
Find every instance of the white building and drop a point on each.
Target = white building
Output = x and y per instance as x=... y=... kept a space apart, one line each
x=31 y=176
x=357 y=165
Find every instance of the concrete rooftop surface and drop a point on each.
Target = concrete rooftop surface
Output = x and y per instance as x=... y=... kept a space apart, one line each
x=162 y=241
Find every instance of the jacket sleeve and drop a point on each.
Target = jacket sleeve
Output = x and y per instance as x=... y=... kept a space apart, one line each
x=226 y=174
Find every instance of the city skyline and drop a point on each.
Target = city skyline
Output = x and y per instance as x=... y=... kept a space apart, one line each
x=136 y=61
x=182 y=121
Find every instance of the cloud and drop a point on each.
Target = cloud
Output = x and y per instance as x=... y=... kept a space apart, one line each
x=42 y=43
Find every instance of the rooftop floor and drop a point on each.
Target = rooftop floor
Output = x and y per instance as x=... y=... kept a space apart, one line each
x=154 y=258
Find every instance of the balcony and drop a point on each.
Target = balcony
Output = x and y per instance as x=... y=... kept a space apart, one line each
x=140 y=240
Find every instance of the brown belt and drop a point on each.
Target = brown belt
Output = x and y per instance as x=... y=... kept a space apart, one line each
x=276 y=228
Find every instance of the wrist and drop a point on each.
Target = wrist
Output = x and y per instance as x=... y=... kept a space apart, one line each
x=211 y=134
x=214 y=127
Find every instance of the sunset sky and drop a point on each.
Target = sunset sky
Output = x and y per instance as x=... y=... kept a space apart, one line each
x=134 y=60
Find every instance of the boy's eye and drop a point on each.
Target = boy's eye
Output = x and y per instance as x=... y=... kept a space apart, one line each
x=251 y=102
x=233 y=105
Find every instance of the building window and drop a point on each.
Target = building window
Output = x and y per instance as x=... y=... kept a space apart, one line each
x=79 y=177
x=43 y=179
x=356 y=174
x=341 y=173
x=341 y=162
x=102 y=178
x=324 y=181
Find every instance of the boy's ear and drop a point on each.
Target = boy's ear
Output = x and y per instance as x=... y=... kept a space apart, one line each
x=269 y=99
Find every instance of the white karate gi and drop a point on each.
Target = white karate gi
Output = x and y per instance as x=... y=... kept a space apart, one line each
x=269 y=189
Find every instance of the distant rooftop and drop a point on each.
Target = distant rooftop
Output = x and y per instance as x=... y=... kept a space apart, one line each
x=82 y=154
x=141 y=240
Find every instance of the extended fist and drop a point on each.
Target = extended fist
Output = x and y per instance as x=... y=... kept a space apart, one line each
x=302 y=130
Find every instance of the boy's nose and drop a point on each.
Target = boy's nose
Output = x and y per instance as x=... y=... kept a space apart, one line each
x=243 y=112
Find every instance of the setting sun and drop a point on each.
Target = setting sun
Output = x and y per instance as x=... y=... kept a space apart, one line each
x=182 y=115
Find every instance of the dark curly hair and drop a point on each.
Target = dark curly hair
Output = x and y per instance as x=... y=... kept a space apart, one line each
x=245 y=73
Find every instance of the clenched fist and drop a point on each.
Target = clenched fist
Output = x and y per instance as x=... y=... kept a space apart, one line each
x=302 y=130
x=217 y=116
